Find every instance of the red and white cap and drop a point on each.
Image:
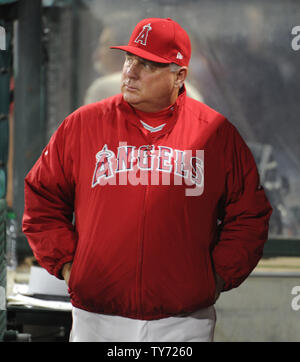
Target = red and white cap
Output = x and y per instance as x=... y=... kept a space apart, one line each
x=159 y=40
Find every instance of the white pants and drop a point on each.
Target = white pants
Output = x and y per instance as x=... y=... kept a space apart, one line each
x=92 y=327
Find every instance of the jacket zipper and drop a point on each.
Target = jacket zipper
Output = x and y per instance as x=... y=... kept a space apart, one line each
x=141 y=248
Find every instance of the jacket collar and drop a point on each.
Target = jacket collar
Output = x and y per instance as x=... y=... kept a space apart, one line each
x=171 y=118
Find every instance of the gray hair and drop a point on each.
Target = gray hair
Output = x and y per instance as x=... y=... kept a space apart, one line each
x=174 y=67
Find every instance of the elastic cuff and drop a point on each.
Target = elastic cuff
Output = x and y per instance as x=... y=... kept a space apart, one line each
x=58 y=268
x=227 y=280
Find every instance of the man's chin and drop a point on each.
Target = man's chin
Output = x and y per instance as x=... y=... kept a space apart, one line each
x=131 y=98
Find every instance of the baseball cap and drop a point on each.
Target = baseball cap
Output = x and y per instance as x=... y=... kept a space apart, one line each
x=159 y=40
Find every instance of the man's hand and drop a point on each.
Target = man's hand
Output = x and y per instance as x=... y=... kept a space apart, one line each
x=66 y=272
x=219 y=286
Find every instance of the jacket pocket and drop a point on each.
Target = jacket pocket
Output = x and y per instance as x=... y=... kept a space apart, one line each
x=71 y=279
x=211 y=281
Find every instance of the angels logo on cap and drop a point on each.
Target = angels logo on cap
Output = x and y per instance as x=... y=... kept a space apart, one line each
x=143 y=35
x=159 y=40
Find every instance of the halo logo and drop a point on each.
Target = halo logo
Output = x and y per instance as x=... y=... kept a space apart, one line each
x=143 y=35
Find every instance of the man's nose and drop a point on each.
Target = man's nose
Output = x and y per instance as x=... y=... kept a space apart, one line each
x=132 y=69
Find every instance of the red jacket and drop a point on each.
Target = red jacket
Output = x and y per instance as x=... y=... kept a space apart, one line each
x=143 y=246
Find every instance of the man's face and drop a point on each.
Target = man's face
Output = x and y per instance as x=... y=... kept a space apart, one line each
x=146 y=85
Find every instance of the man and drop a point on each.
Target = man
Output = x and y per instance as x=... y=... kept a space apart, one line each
x=107 y=64
x=168 y=206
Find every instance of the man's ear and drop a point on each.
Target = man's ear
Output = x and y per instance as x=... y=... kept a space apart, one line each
x=181 y=75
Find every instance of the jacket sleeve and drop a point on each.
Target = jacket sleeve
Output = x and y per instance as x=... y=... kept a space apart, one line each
x=244 y=217
x=49 y=200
